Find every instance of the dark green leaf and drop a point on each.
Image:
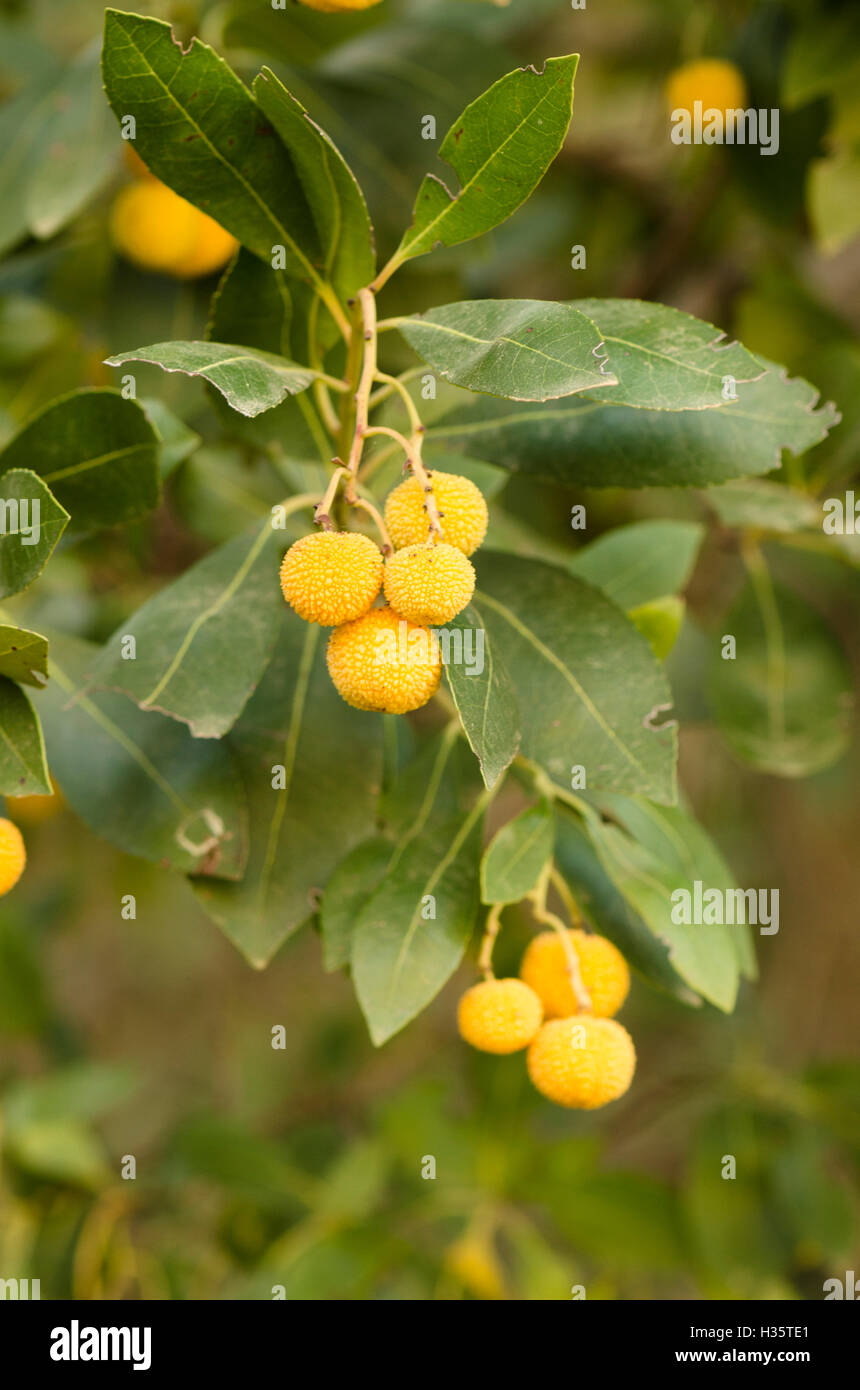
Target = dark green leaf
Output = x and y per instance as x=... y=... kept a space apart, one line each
x=23 y=656
x=500 y=149
x=27 y=539
x=202 y=643
x=97 y=452
x=335 y=199
x=249 y=380
x=517 y=855
x=139 y=780
x=348 y=890
x=332 y=761
x=484 y=696
x=589 y=689
x=23 y=770
x=523 y=349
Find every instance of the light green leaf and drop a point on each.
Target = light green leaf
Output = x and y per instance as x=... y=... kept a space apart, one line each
x=23 y=656
x=96 y=451
x=500 y=149
x=349 y=888
x=200 y=131
x=249 y=380
x=335 y=199
x=412 y=933
x=61 y=1151
x=765 y=505
x=664 y=359
x=23 y=770
x=660 y=621
x=523 y=349
x=27 y=538
x=484 y=696
x=589 y=689
x=331 y=761
x=640 y=562
x=517 y=855
x=784 y=703
x=139 y=780
x=834 y=202
x=202 y=643
x=581 y=442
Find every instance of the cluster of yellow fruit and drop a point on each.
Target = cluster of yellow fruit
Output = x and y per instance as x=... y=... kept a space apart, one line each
x=157 y=230
x=385 y=658
x=580 y=1060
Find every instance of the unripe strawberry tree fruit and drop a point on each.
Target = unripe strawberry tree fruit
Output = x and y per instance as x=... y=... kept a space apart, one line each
x=465 y=615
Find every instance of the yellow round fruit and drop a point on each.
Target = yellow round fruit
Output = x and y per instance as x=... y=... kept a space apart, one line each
x=499 y=1016
x=13 y=856
x=429 y=583
x=582 y=1062
x=331 y=577
x=157 y=230
x=384 y=662
x=603 y=969
x=34 y=810
x=462 y=510
x=338 y=6
x=712 y=81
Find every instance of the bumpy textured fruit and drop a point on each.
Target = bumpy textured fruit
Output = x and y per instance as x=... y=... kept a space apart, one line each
x=157 y=230
x=461 y=505
x=34 y=810
x=331 y=577
x=603 y=969
x=383 y=662
x=713 y=82
x=13 y=856
x=338 y=6
x=582 y=1062
x=429 y=583
x=499 y=1016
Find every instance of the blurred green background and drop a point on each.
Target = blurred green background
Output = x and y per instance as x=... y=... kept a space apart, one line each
x=301 y=1167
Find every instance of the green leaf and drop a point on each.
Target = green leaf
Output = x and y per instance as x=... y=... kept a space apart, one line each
x=517 y=855
x=660 y=621
x=586 y=444
x=252 y=305
x=97 y=452
x=652 y=852
x=201 y=132
x=610 y=912
x=485 y=698
x=500 y=149
x=523 y=349
x=767 y=506
x=23 y=770
x=250 y=381
x=588 y=686
x=349 y=888
x=202 y=643
x=76 y=150
x=332 y=761
x=23 y=656
x=61 y=1151
x=640 y=562
x=411 y=935
x=664 y=359
x=336 y=201
x=28 y=536
x=784 y=702
x=834 y=202
x=139 y=780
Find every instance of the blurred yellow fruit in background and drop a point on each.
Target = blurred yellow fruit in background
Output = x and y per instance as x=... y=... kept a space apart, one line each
x=157 y=230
